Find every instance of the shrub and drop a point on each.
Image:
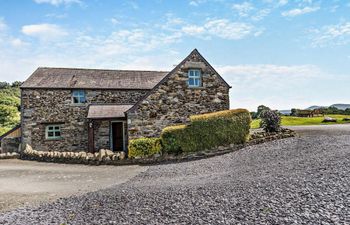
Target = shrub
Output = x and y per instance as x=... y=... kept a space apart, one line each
x=144 y=147
x=270 y=121
x=208 y=131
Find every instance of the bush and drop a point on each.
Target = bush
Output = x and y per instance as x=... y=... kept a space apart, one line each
x=144 y=147
x=208 y=131
x=270 y=121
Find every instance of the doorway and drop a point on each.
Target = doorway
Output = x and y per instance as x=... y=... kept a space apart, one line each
x=117 y=136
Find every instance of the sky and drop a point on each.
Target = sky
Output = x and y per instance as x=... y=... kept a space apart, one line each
x=280 y=53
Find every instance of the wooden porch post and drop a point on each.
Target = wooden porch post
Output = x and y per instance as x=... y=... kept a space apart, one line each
x=91 y=142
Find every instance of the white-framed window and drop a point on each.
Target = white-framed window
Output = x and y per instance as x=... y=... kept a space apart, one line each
x=78 y=96
x=194 y=78
x=53 y=132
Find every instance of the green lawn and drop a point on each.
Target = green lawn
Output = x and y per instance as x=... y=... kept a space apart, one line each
x=294 y=121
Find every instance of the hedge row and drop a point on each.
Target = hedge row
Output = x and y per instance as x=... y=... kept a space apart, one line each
x=144 y=147
x=205 y=131
x=208 y=131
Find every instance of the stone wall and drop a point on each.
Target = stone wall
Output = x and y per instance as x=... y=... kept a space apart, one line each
x=41 y=107
x=173 y=101
x=10 y=144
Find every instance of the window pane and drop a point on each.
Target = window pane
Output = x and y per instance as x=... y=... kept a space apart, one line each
x=82 y=99
x=50 y=134
x=57 y=128
x=191 y=81
x=57 y=134
x=50 y=128
x=75 y=100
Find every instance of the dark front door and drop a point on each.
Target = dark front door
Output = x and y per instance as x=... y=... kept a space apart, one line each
x=117 y=136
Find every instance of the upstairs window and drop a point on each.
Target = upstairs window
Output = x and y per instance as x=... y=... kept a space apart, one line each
x=78 y=96
x=53 y=132
x=194 y=78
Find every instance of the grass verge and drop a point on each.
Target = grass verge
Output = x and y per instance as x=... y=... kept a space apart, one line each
x=296 y=121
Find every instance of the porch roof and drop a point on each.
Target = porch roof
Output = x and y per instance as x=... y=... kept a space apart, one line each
x=107 y=111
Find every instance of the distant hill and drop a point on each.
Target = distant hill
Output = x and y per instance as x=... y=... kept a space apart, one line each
x=285 y=112
x=341 y=106
x=338 y=106
x=315 y=107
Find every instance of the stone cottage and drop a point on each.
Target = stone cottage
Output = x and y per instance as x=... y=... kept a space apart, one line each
x=87 y=109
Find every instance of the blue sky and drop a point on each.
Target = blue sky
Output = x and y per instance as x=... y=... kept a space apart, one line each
x=280 y=53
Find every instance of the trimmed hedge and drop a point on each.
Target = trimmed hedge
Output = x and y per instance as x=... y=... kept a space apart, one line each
x=144 y=147
x=208 y=131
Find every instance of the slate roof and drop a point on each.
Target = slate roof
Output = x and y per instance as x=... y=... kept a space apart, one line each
x=107 y=111
x=45 y=77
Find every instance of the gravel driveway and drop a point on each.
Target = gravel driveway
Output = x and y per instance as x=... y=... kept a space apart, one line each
x=303 y=180
x=31 y=183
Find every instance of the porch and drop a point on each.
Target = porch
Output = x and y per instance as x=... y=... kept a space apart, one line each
x=107 y=127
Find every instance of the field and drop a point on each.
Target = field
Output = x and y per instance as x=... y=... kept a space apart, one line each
x=294 y=121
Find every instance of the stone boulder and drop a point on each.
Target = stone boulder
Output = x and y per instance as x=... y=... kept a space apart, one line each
x=329 y=120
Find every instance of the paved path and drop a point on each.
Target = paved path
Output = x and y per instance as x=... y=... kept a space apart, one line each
x=28 y=182
x=303 y=180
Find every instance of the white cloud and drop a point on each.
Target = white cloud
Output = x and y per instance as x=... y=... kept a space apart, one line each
x=16 y=42
x=58 y=2
x=3 y=25
x=44 y=31
x=228 y=30
x=331 y=35
x=196 y=2
x=261 y=14
x=114 y=21
x=271 y=70
x=269 y=84
x=299 y=11
x=193 y=29
x=243 y=9
x=282 y=2
x=57 y=16
x=222 y=28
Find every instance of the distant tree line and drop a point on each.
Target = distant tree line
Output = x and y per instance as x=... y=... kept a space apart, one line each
x=325 y=110
x=10 y=105
x=305 y=112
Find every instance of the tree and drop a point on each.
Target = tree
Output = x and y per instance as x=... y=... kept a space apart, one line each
x=261 y=108
x=294 y=112
x=9 y=116
x=16 y=84
x=270 y=121
x=4 y=85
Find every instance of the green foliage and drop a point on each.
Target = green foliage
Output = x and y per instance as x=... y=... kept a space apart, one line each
x=9 y=106
x=261 y=108
x=208 y=131
x=297 y=121
x=144 y=147
x=270 y=121
x=254 y=115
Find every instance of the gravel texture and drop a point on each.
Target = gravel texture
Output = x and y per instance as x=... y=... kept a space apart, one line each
x=302 y=180
x=24 y=183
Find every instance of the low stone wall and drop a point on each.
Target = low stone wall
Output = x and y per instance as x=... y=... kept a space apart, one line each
x=102 y=157
x=10 y=144
x=9 y=155
x=107 y=157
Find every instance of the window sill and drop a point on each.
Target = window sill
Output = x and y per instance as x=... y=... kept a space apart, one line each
x=78 y=104
x=53 y=139
x=196 y=87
